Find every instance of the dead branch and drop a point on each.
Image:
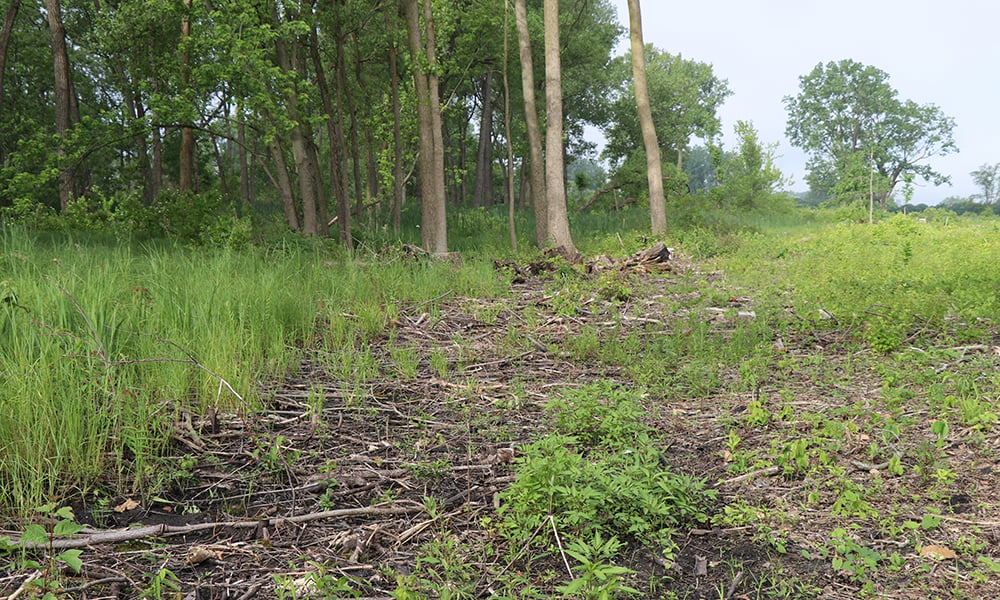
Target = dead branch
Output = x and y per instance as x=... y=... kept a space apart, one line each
x=93 y=538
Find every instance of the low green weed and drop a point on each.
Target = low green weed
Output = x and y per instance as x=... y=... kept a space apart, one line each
x=61 y=523
x=850 y=558
x=598 y=578
x=600 y=473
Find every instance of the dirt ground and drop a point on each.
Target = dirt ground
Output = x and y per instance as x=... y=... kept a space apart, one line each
x=338 y=488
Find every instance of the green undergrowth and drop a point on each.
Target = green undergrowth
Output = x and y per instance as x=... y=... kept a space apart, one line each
x=592 y=487
x=900 y=282
x=103 y=345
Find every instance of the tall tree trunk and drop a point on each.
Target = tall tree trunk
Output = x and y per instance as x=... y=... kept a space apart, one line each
x=352 y=110
x=63 y=108
x=536 y=164
x=8 y=28
x=437 y=131
x=397 y=127
x=305 y=167
x=654 y=169
x=558 y=234
x=511 y=229
x=483 y=191
x=156 y=149
x=185 y=176
x=335 y=131
x=434 y=232
x=220 y=166
x=284 y=183
x=241 y=143
x=136 y=110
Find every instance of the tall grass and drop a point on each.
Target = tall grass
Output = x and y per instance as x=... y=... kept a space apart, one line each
x=890 y=277
x=102 y=346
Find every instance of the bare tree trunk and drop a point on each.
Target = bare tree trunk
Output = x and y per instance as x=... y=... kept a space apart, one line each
x=536 y=164
x=220 y=166
x=511 y=228
x=8 y=28
x=654 y=169
x=284 y=183
x=558 y=234
x=397 y=130
x=185 y=176
x=63 y=109
x=483 y=191
x=305 y=167
x=335 y=131
x=352 y=110
x=241 y=143
x=434 y=231
x=156 y=149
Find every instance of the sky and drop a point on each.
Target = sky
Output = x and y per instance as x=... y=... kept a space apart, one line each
x=947 y=54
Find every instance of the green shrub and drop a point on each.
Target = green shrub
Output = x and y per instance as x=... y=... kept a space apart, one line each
x=601 y=473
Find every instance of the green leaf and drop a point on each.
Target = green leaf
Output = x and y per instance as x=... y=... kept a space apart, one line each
x=47 y=508
x=65 y=528
x=35 y=534
x=72 y=559
x=65 y=512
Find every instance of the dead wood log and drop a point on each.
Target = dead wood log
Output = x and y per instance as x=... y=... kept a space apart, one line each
x=657 y=254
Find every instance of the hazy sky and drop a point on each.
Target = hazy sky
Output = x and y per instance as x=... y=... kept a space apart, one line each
x=946 y=54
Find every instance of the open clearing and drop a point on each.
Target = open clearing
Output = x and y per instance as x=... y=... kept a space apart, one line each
x=839 y=472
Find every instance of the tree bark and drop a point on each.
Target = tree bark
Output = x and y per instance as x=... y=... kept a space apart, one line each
x=434 y=235
x=654 y=168
x=397 y=127
x=306 y=168
x=185 y=176
x=5 y=33
x=63 y=108
x=511 y=228
x=335 y=131
x=440 y=222
x=483 y=190
x=241 y=143
x=284 y=183
x=558 y=234
x=536 y=164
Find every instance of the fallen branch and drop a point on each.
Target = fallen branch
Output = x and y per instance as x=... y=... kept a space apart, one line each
x=765 y=472
x=93 y=538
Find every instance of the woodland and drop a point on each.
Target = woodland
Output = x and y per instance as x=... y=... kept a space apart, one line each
x=342 y=300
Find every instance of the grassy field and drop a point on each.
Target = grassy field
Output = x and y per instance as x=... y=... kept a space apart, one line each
x=104 y=346
x=804 y=408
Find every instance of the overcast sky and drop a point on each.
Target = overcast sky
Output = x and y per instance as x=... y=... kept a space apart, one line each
x=946 y=54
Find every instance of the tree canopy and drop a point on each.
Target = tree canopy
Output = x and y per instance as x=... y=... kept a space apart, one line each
x=860 y=135
x=685 y=97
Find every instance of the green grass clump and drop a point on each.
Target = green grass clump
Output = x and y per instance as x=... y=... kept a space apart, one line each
x=103 y=345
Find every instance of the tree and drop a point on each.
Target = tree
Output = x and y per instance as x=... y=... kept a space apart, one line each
x=536 y=164
x=654 y=170
x=987 y=177
x=434 y=229
x=63 y=95
x=685 y=97
x=846 y=113
x=558 y=234
x=5 y=32
x=748 y=178
x=187 y=160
